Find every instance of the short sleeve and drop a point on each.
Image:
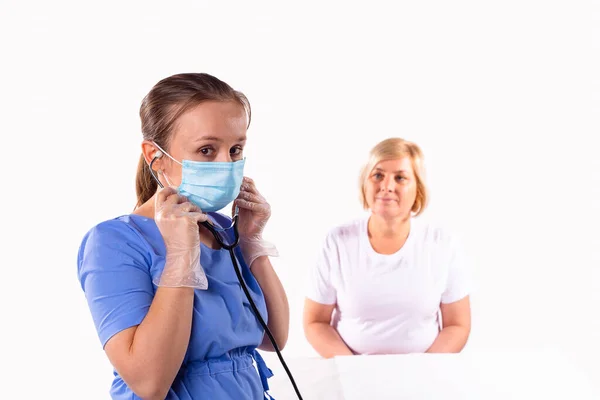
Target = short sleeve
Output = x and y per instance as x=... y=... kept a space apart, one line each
x=114 y=273
x=458 y=281
x=320 y=288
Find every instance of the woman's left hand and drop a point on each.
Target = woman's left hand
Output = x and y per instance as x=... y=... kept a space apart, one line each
x=254 y=211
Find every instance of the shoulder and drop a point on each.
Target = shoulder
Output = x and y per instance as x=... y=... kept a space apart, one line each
x=112 y=244
x=346 y=231
x=432 y=233
x=120 y=233
x=344 y=236
x=115 y=228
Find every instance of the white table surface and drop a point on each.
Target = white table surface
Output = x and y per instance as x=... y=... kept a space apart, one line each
x=316 y=378
x=481 y=375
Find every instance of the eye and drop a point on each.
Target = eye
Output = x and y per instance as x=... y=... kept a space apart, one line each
x=207 y=151
x=236 y=150
x=377 y=175
x=400 y=178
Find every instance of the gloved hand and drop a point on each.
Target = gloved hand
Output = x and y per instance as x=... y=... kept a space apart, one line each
x=177 y=220
x=254 y=212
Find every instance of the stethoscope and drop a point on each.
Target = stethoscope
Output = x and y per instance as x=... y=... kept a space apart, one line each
x=230 y=247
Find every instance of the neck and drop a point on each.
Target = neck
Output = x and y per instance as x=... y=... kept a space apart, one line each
x=388 y=228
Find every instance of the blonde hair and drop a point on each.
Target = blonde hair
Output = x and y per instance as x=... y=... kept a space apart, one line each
x=393 y=149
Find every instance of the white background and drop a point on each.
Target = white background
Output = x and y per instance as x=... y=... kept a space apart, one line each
x=503 y=98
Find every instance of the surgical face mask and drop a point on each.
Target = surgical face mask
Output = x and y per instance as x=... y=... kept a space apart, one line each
x=210 y=185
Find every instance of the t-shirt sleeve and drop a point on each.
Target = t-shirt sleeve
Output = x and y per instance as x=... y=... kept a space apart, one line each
x=458 y=281
x=320 y=287
x=113 y=270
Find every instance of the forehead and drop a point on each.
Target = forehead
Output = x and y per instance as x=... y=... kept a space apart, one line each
x=400 y=164
x=225 y=120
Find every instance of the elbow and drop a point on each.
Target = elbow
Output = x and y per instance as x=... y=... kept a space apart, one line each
x=283 y=341
x=280 y=340
x=148 y=386
x=464 y=332
x=313 y=332
x=307 y=328
x=310 y=327
x=467 y=334
x=280 y=345
x=151 y=390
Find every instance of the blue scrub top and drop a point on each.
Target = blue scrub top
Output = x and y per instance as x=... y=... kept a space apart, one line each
x=117 y=261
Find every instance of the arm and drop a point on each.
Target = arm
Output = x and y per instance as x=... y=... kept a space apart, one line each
x=277 y=303
x=144 y=332
x=148 y=356
x=254 y=212
x=319 y=332
x=456 y=320
x=455 y=303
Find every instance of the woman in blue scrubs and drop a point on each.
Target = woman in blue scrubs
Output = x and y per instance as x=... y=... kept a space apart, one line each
x=165 y=299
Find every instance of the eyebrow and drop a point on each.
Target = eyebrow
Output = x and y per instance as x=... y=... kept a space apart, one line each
x=395 y=172
x=218 y=139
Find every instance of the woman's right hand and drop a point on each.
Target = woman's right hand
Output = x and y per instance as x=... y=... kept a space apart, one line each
x=177 y=220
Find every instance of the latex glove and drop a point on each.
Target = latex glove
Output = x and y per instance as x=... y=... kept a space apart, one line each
x=177 y=220
x=254 y=212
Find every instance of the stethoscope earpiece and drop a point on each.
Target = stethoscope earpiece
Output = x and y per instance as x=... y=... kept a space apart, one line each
x=158 y=154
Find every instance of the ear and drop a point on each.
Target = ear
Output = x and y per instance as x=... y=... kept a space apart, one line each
x=150 y=151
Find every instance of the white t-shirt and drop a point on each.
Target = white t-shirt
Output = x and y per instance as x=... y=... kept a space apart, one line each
x=388 y=304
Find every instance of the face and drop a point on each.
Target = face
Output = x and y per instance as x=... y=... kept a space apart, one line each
x=212 y=131
x=391 y=188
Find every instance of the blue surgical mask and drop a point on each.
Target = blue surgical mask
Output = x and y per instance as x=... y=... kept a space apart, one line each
x=210 y=185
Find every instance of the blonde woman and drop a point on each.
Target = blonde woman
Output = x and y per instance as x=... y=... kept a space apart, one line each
x=389 y=283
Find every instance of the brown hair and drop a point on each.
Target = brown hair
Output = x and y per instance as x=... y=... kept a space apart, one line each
x=165 y=103
x=393 y=149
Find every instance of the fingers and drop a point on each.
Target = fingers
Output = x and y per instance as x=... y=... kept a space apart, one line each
x=188 y=207
x=178 y=205
x=255 y=198
x=198 y=216
x=189 y=210
x=163 y=194
x=249 y=205
x=245 y=204
x=249 y=186
x=169 y=196
x=176 y=199
x=249 y=198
